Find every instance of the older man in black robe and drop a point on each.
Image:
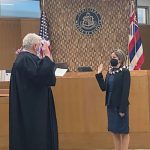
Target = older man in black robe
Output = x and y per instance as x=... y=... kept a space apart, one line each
x=32 y=118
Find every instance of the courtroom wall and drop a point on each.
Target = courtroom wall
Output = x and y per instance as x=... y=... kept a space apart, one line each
x=79 y=49
x=11 y=33
x=145 y=36
x=68 y=44
x=9 y=40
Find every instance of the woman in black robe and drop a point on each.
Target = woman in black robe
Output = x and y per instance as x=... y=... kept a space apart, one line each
x=32 y=117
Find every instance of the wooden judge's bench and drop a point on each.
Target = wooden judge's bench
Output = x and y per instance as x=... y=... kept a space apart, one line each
x=81 y=113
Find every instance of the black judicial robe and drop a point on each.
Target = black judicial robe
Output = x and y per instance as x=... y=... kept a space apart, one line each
x=32 y=118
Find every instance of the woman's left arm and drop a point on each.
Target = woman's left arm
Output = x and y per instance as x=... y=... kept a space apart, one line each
x=125 y=91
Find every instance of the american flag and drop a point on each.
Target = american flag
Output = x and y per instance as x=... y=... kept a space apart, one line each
x=44 y=33
x=135 y=47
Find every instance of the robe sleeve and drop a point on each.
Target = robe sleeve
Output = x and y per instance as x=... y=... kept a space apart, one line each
x=41 y=72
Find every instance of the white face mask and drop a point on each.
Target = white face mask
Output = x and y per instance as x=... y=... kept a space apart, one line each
x=38 y=51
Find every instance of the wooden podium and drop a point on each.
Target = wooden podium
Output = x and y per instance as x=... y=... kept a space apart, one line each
x=81 y=113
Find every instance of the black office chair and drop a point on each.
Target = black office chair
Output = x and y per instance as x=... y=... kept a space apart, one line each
x=62 y=66
x=85 y=69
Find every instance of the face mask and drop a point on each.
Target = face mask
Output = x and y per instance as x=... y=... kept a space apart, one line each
x=114 y=62
x=38 y=51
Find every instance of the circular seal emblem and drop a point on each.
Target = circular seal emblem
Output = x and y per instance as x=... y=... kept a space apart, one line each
x=88 y=21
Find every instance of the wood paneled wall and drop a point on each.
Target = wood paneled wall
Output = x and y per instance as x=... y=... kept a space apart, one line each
x=11 y=33
x=145 y=36
x=29 y=25
x=10 y=39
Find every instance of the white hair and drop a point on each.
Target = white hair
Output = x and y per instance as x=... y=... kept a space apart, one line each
x=30 y=39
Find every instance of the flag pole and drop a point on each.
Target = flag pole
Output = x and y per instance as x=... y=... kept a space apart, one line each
x=128 y=55
x=43 y=4
x=135 y=19
x=132 y=6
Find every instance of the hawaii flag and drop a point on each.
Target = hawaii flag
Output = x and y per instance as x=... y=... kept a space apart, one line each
x=135 y=47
